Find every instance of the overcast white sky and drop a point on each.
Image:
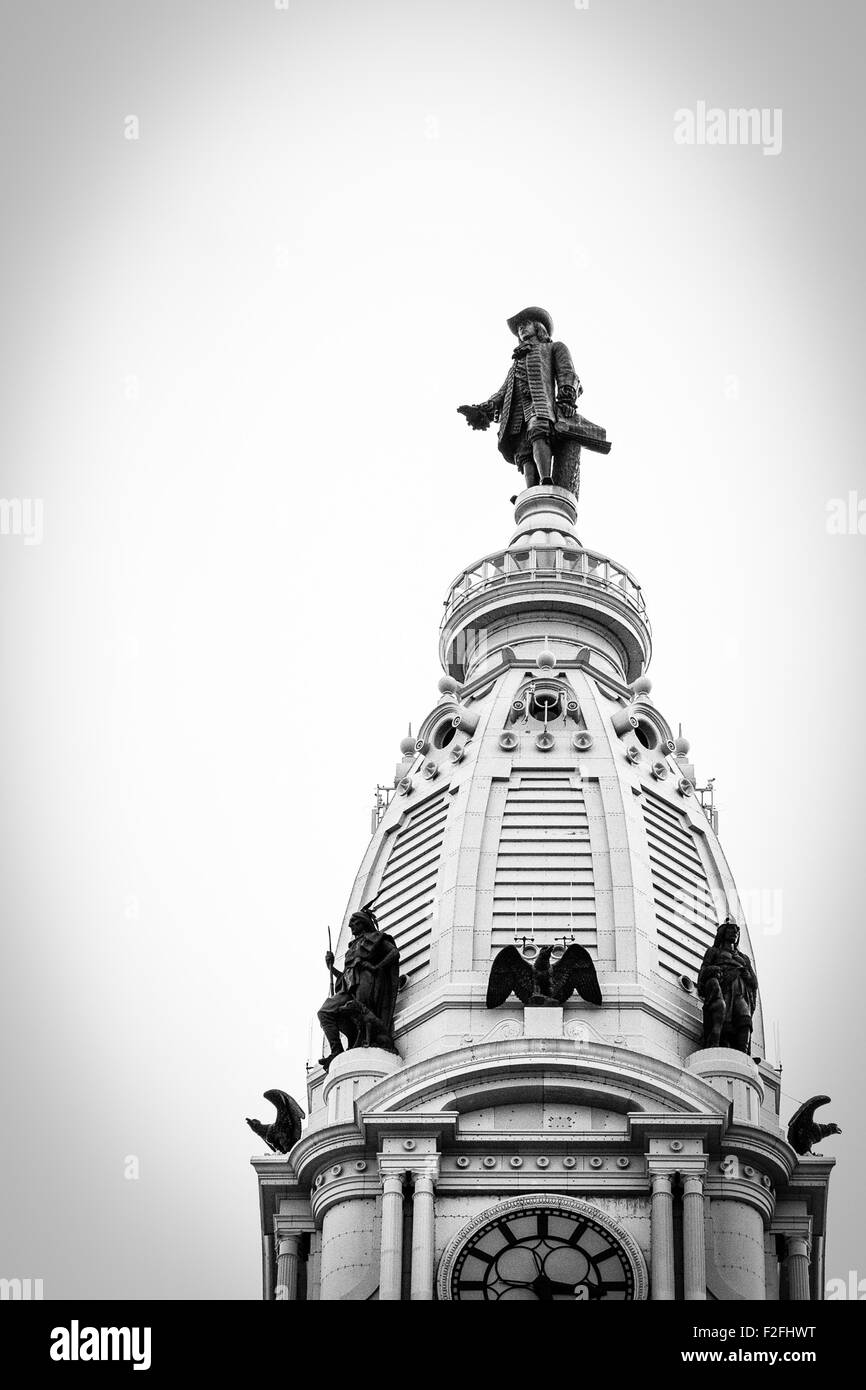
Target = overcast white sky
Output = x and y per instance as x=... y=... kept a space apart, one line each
x=233 y=349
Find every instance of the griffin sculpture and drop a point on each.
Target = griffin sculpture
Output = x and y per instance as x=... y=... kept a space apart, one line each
x=285 y=1131
x=537 y=982
x=804 y=1130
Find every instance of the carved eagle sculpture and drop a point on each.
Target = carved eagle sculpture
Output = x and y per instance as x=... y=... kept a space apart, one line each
x=538 y=982
x=285 y=1131
x=804 y=1130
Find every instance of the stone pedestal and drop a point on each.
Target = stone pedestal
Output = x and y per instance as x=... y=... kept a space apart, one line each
x=735 y=1076
x=351 y=1074
x=542 y=1022
x=545 y=509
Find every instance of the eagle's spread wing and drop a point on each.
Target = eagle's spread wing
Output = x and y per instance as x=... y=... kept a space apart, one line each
x=801 y=1124
x=289 y=1117
x=509 y=972
x=575 y=971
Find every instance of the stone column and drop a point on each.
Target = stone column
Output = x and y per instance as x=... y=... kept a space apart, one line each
x=422 y=1238
x=391 y=1252
x=798 y=1269
x=314 y=1266
x=287 y=1268
x=662 y=1238
x=694 y=1246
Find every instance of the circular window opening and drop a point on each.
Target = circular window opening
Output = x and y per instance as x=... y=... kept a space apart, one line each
x=443 y=734
x=544 y=704
x=646 y=734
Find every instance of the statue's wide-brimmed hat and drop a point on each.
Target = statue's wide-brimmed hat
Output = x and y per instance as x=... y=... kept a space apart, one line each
x=533 y=314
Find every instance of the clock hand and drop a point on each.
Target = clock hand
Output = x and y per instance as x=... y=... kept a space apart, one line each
x=556 y=1287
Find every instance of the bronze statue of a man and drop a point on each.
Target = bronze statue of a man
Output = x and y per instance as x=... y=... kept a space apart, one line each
x=729 y=988
x=365 y=996
x=539 y=429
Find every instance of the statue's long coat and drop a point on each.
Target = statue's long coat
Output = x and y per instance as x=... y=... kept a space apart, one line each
x=548 y=367
x=377 y=990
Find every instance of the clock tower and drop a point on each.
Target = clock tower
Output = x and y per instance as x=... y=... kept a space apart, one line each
x=548 y=1147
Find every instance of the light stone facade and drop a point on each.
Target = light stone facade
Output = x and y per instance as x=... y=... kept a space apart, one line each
x=546 y=800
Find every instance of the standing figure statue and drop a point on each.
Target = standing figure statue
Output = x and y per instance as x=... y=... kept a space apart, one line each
x=729 y=988
x=362 y=1005
x=539 y=428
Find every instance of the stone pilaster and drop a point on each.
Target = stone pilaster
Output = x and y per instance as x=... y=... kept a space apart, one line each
x=662 y=1238
x=797 y=1250
x=694 y=1243
x=391 y=1247
x=422 y=1231
x=288 y=1249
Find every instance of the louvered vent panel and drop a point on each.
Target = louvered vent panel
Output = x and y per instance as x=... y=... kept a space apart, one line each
x=404 y=903
x=685 y=912
x=544 y=883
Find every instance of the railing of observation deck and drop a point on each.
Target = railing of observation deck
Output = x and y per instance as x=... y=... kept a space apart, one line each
x=548 y=565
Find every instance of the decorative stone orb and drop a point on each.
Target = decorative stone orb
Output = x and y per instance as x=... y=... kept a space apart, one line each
x=447 y=685
x=642 y=686
x=407 y=747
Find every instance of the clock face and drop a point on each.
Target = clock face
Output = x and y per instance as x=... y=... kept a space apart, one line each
x=544 y=1251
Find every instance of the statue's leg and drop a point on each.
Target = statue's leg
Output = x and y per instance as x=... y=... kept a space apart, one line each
x=543 y=458
x=334 y=1020
x=523 y=460
x=714 y=1018
x=740 y=1027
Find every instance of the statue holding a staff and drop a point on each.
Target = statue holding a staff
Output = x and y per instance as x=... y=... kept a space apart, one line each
x=364 y=993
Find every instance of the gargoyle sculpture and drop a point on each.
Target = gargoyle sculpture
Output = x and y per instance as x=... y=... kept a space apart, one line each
x=285 y=1131
x=804 y=1130
x=537 y=982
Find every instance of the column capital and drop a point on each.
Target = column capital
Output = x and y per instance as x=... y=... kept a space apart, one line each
x=662 y=1181
x=425 y=1171
x=798 y=1245
x=693 y=1181
x=392 y=1172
